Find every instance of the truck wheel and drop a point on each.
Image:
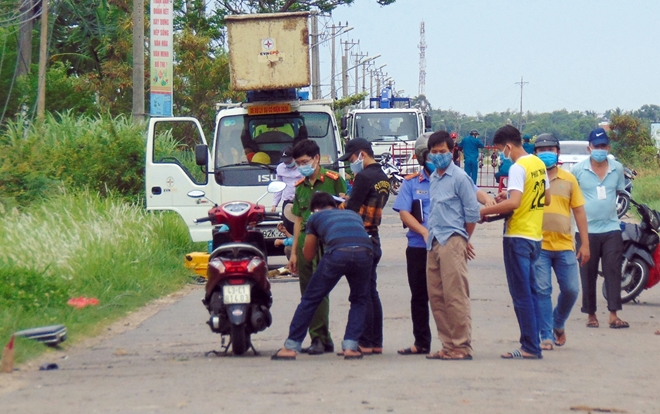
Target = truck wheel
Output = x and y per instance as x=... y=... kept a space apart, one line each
x=240 y=340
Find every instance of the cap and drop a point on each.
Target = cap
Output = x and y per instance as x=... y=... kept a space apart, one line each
x=353 y=146
x=526 y=137
x=474 y=132
x=546 y=140
x=453 y=135
x=287 y=155
x=598 y=137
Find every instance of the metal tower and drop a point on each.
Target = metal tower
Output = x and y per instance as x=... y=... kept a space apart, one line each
x=422 y=59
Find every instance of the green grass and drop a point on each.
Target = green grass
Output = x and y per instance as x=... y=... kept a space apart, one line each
x=646 y=188
x=84 y=245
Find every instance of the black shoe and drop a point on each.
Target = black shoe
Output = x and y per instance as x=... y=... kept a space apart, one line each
x=316 y=348
x=330 y=348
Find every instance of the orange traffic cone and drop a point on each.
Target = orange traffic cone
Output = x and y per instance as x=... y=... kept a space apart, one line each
x=7 y=362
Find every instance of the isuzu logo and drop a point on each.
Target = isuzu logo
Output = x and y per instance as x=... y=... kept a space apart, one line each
x=266 y=178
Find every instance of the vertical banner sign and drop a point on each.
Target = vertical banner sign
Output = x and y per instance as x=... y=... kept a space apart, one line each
x=655 y=133
x=161 y=57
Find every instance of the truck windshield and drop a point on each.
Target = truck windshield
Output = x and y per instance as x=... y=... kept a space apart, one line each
x=261 y=139
x=386 y=127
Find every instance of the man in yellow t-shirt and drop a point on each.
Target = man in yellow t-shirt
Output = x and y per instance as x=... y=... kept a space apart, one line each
x=524 y=199
x=557 y=249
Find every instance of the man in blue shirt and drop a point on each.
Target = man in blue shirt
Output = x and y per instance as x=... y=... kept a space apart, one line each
x=600 y=179
x=454 y=214
x=348 y=251
x=528 y=146
x=470 y=146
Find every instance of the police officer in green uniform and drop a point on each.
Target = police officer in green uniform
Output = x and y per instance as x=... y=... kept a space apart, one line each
x=308 y=159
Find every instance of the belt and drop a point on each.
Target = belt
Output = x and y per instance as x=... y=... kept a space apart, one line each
x=352 y=249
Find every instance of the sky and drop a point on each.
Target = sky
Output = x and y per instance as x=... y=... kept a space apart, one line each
x=576 y=55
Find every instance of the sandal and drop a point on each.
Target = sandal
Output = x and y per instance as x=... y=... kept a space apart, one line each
x=517 y=354
x=593 y=324
x=358 y=356
x=546 y=345
x=439 y=355
x=560 y=337
x=619 y=324
x=409 y=351
x=277 y=357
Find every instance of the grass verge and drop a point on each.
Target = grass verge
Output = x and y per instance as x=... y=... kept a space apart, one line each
x=646 y=188
x=83 y=245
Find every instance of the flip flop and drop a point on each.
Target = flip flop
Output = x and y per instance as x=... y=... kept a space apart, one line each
x=359 y=356
x=619 y=324
x=276 y=357
x=592 y=324
x=377 y=351
x=517 y=354
x=409 y=351
x=546 y=345
x=439 y=355
x=560 y=337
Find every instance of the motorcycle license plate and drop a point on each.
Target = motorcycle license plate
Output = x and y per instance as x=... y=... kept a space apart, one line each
x=273 y=234
x=233 y=294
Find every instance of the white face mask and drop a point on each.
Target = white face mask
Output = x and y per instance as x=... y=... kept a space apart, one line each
x=506 y=157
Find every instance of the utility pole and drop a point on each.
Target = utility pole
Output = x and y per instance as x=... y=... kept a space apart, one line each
x=43 y=56
x=138 y=61
x=522 y=84
x=358 y=57
x=25 y=38
x=333 y=88
x=316 y=70
x=422 y=59
x=344 y=67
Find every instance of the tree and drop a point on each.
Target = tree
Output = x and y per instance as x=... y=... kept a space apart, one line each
x=278 y=6
x=631 y=140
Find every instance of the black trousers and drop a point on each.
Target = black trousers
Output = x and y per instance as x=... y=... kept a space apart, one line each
x=419 y=300
x=608 y=248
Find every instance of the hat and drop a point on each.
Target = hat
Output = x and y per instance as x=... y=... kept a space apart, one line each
x=546 y=140
x=353 y=146
x=598 y=137
x=526 y=137
x=422 y=144
x=260 y=158
x=287 y=155
x=474 y=132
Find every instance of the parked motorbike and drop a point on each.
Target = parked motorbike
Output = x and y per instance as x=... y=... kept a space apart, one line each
x=238 y=295
x=623 y=198
x=392 y=171
x=641 y=254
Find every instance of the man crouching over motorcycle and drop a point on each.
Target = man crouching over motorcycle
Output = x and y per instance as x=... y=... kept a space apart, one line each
x=348 y=252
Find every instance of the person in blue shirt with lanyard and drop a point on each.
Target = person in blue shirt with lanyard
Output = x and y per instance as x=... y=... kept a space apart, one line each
x=415 y=190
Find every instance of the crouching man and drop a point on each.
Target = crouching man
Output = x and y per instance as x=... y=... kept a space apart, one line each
x=348 y=252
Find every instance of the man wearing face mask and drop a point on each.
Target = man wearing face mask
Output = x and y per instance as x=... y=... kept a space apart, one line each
x=307 y=155
x=288 y=173
x=600 y=179
x=369 y=195
x=557 y=249
x=453 y=217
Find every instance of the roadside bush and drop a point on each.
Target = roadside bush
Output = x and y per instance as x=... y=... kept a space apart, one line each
x=83 y=244
x=99 y=153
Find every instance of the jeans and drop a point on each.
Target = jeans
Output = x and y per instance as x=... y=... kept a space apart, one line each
x=608 y=248
x=319 y=327
x=471 y=168
x=355 y=264
x=419 y=298
x=372 y=336
x=566 y=269
x=519 y=259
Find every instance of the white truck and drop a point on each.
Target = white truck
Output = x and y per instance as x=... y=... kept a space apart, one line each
x=393 y=126
x=269 y=59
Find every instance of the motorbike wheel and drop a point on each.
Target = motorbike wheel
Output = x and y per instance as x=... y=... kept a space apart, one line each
x=240 y=340
x=394 y=185
x=622 y=205
x=634 y=277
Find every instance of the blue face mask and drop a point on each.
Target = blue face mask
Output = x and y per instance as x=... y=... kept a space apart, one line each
x=357 y=166
x=291 y=165
x=441 y=161
x=306 y=170
x=548 y=158
x=599 y=155
x=430 y=166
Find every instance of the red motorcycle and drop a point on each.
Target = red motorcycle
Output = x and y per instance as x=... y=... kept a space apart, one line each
x=641 y=254
x=238 y=295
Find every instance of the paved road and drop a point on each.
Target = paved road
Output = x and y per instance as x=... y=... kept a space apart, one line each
x=156 y=364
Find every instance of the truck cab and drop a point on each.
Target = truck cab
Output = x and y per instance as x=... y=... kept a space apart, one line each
x=269 y=61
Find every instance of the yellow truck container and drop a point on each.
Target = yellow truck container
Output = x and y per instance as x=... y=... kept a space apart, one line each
x=268 y=51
